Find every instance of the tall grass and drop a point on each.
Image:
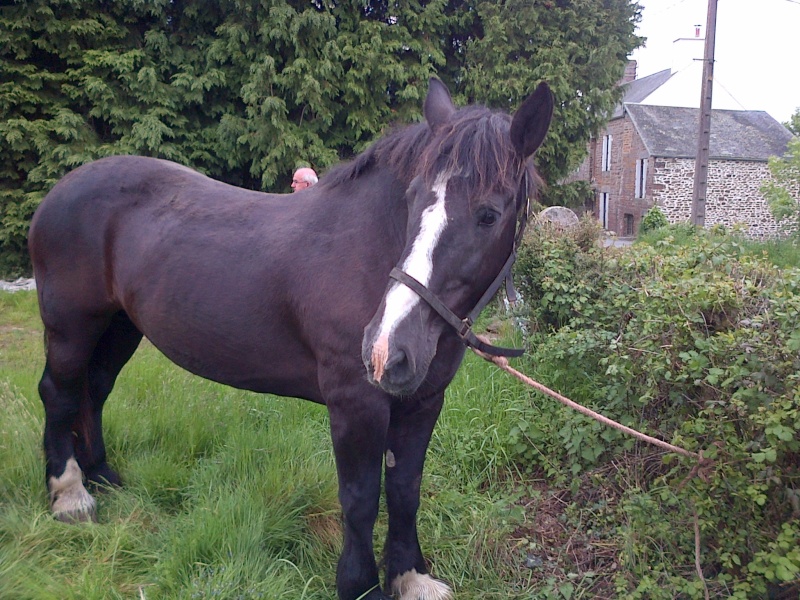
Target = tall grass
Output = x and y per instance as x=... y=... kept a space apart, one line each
x=782 y=252
x=230 y=494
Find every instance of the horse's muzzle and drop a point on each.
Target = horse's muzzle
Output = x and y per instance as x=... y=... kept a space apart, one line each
x=391 y=367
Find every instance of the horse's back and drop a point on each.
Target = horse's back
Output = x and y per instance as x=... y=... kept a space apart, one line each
x=95 y=209
x=205 y=270
x=84 y=200
x=70 y=232
x=96 y=220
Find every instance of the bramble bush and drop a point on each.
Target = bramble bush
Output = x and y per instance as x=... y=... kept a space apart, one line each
x=652 y=220
x=782 y=190
x=699 y=345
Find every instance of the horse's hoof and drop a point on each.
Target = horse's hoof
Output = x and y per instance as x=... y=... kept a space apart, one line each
x=75 y=508
x=415 y=586
x=69 y=500
x=76 y=516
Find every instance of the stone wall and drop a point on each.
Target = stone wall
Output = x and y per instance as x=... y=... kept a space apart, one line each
x=733 y=198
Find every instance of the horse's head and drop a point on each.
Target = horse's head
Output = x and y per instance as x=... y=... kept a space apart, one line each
x=468 y=190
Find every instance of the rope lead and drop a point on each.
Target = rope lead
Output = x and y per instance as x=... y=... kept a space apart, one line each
x=502 y=363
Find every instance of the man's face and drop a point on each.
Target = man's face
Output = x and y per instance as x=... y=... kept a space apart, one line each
x=298 y=183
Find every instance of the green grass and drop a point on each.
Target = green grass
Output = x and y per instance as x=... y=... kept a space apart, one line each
x=781 y=252
x=230 y=494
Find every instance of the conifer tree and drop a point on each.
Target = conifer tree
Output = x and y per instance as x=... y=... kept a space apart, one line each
x=247 y=90
x=579 y=47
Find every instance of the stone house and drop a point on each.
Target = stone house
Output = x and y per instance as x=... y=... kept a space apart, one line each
x=646 y=156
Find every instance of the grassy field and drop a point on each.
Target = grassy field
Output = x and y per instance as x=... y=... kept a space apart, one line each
x=232 y=494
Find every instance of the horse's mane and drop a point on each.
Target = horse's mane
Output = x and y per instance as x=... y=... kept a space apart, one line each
x=474 y=144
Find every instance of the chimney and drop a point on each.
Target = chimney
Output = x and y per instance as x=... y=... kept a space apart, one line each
x=630 y=73
x=685 y=51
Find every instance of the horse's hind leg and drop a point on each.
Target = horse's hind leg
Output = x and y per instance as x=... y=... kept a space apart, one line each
x=410 y=429
x=115 y=348
x=72 y=416
x=64 y=392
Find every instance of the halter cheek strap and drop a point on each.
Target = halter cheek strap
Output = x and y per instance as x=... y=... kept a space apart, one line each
x=463 y=326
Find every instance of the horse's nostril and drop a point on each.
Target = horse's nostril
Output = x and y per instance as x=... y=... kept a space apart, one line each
x=399 y=368
x=398 y=361
x=391 y=367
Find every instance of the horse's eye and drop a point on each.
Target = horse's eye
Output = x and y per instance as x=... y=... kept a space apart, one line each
x=487 y=217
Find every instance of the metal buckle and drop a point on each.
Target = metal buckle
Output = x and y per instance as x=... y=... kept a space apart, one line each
x=466 y=325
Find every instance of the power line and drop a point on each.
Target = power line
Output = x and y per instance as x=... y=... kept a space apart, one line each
x=670 y=7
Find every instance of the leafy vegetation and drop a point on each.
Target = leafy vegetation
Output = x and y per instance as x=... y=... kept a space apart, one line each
x=652 y=220
x=689 y=335
x=697 y=343
x=247 y=90
x=783 y=190
x=231 y=494
x=572 y=46
x=793 y=124
x=779 y=252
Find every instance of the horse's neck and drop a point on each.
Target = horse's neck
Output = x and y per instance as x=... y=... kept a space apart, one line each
x=376 y=204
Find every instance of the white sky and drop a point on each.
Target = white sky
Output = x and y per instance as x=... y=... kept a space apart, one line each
x=757 y=50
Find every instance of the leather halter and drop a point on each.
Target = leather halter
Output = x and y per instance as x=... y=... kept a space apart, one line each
x=463 y=326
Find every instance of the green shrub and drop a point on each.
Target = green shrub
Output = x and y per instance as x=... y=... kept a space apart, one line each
x=782 y=190
x=697 y=344
x=546 y=270
x=652 y=220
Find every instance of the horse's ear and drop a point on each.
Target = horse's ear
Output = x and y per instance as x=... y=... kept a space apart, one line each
x=438 y=104
x=530 y=122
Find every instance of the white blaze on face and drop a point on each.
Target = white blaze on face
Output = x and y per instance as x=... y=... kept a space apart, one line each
x=419 y=264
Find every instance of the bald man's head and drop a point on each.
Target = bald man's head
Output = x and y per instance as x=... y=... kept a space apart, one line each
x=303 y=178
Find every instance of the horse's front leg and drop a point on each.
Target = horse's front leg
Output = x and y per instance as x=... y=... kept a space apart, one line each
x=358 y=429
x=410 y=430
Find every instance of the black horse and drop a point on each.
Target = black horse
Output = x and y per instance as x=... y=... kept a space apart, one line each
x=289 y=295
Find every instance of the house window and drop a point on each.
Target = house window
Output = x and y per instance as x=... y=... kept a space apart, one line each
x=628 y=224
x=605 y=163
x=602 y=208
x=641 y=178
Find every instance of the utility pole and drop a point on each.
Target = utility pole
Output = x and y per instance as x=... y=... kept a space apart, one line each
x=704 y=129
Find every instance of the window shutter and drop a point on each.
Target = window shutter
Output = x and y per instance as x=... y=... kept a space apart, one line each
x=604 y=157
x=643 y=185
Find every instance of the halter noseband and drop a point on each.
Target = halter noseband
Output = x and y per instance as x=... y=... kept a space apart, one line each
x=463 y=326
